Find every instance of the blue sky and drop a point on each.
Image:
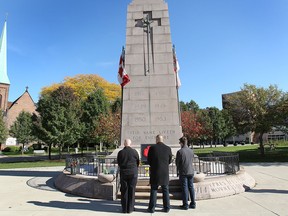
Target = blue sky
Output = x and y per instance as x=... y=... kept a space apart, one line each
x=220 y=44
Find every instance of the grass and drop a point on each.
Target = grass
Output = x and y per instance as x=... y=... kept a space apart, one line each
x=251 y=153
x=45 y=163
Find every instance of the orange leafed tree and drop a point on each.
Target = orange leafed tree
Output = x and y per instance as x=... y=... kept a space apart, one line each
x=191 y=126
x=109 y=132
x=84 y=84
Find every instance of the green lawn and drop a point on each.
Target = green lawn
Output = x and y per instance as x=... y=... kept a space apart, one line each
x=32 y=164
x=251 y=153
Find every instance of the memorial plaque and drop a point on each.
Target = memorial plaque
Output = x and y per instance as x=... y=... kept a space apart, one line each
x=150 y=99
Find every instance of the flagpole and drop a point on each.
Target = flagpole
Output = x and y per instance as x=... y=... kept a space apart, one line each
x=121 y=117
x=177 y=87
x=123 y=51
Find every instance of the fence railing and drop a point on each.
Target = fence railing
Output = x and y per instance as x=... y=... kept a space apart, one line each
x=91 y=165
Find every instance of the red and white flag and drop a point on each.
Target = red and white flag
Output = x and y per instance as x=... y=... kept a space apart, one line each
x=176 y=68
x=123 y=77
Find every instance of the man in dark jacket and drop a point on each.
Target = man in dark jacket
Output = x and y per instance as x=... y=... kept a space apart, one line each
x=128 y=162
x=184 y=163
x=159 y=158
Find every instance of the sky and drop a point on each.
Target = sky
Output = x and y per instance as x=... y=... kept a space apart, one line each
x=220 y=44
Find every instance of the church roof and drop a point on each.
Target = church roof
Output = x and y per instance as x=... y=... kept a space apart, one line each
x=11 y=104
x=3 y=57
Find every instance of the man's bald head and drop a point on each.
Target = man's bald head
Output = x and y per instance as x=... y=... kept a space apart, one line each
x=159 y=138
x=127 y=142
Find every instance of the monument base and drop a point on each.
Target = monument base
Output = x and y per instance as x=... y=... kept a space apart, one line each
x=209 y=188
x=85 y=186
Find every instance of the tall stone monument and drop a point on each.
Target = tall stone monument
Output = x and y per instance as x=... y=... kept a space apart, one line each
x=150 y=99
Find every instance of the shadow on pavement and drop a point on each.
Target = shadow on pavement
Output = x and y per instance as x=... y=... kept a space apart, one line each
x=267 y=191
x=87 y=204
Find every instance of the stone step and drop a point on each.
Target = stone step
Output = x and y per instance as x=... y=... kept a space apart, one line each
x=172 y=188
x=143 y=189
x=146 y=195
x=145 y=181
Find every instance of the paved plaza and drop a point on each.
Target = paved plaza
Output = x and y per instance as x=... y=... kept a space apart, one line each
x=30 y=192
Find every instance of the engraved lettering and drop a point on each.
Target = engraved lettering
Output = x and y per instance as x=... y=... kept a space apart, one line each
x=140 y=119
x=149 y=137
x=136 y=138
x=161 y=118
x=139 y=106
x=167 y=132
x=161 y=106
x=133 y=132
x=149 y=132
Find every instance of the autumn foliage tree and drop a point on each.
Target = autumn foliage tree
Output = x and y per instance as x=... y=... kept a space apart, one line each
x=191 y=126
x=85 y=84
x=109 y=131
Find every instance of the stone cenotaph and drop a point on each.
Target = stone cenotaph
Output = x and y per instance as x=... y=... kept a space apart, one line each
x=150 y=104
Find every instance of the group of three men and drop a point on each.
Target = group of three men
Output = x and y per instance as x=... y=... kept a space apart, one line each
x=159 y=158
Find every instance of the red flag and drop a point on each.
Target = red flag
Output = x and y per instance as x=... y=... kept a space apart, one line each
x=176 y=68
x=123 y=77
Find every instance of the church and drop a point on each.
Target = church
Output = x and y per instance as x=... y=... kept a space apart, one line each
x=24 y=102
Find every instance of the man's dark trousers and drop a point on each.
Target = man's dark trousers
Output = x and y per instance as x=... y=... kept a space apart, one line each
x=153 y=197
x=128 y=185
x=187 y=189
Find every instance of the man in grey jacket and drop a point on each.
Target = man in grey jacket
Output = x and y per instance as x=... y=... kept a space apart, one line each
x=185 y=169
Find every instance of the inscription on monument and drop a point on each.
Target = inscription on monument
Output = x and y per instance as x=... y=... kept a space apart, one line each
x=139 y=94
x=149 y=135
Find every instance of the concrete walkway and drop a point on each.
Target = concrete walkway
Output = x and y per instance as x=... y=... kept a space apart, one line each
x=30 y=192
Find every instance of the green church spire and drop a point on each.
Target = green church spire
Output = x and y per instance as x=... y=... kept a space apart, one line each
x=3 y=57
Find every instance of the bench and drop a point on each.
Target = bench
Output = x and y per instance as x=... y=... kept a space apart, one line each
x=39 y=152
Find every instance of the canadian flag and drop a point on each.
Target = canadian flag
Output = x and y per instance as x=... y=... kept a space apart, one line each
x=176 y=68
x=123 y=77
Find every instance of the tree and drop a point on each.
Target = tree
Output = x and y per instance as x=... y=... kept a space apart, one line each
x=191 y=126
x=217 y=123
x=3 y=130
x=229 y=128
x=116 y=106
x=109 y=130
x=93 y=107
x=59 y=121
x=183 y=106
x=255 y=109
x=85 y=84
x=190 y=106
x=193 y=106
x=282 y=118
x=21 y=129
x=206 y=129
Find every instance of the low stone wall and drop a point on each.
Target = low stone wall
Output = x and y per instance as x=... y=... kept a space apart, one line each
x=86 y=186
x=209 y=188
x=222 y=186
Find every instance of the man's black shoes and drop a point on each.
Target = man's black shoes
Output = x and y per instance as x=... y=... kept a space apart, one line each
x=166 y=210
x=150 y=210
x=192 y=206
x=183 y=207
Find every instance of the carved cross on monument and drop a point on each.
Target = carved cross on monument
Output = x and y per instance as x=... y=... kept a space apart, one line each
x=147 y=24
